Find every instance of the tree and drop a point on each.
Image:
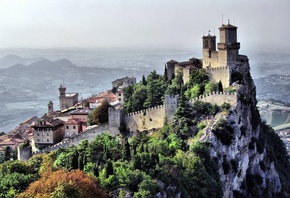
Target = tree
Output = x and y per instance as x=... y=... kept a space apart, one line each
x=100 y=114
x=165 y=74
x=144 y=82
x=220 y=87
x=126 y=154
x=7 y=153
x=61 y=183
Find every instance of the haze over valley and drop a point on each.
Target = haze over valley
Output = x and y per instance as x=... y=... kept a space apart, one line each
x=30 y=80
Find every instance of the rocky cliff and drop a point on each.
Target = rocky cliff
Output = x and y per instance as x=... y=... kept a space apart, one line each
x=245 y=168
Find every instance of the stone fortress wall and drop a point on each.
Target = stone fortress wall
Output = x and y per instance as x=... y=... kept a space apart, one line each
x=219 y=74
x=218 y=98
x=145 y=119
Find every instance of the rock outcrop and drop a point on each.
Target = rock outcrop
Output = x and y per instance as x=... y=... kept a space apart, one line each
x=244 y=159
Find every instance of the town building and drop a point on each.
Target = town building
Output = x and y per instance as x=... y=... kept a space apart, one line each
x=72 y=127
x=123 y=82
x=48 y=131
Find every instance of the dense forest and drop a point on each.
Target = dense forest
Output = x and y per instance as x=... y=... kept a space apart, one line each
x=167 y=161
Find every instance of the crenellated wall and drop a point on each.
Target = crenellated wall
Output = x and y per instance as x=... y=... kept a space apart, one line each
x=219 y=74
x=146 y=119
x=218 y=98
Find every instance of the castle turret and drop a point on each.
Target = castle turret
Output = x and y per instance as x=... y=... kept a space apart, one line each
x=228 y=46
x=61 y=90
x=208 y=50
x=170 y=68
x=50 y=107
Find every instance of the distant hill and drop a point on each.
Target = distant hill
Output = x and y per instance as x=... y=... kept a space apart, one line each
x=11 y=60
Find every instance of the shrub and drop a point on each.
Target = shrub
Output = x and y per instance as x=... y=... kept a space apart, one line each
x=224 y=132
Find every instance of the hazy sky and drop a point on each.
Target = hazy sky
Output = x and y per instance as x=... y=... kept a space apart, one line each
x=140 y=24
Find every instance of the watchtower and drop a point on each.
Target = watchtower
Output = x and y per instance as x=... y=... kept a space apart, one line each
x=50 y=107
x=228 y=46
x=209 y=54
x=61 y=91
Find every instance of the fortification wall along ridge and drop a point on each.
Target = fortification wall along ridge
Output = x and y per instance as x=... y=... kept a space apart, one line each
x=218 y=98
x=145 y=119
x=219 y=74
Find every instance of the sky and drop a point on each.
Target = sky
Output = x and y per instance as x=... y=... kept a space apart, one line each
x=141 y=24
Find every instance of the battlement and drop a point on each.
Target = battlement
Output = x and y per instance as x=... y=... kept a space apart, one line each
x=144 y=111
x=216 y=68
x=218 y=98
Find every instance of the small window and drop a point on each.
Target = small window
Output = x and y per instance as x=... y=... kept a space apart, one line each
x=66 y=127
x=74 y=127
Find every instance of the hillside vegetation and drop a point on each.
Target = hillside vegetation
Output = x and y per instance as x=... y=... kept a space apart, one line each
x=170 y=161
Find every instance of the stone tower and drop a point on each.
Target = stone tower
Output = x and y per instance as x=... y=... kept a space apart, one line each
x=50 y=107
x=228 y=46
x=62 y=97
x=209 y=50
x=61 y=91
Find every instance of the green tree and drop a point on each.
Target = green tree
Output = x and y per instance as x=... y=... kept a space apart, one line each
x=100 y=114
x=126 y=154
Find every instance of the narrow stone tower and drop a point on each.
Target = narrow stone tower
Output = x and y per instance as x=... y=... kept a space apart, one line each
x=50 y=107
x=228 y=46
x=209 y=53
x=62 y=97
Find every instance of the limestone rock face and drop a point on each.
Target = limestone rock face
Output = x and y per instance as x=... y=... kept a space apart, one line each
x=242 y=158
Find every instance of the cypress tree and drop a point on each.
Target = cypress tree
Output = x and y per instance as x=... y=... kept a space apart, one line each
x=126 y=154
x=165 y=73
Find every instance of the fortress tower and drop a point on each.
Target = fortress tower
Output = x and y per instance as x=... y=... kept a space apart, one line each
x=61 y=91
x=50 y=107
x=66 y=100
x=220 y=64
x=228 y=46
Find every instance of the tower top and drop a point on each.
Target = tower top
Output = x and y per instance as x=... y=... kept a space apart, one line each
x=227 y=26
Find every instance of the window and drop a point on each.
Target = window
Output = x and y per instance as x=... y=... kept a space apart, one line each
x=67 y=127
x=74 y=127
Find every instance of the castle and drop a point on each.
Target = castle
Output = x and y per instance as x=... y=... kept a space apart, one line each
x=220 y=64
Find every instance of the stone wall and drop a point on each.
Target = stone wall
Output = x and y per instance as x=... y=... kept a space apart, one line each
x=219 y=74
x=23 y=154
x=89 y=135
x=145 y=119
x=219 y=98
